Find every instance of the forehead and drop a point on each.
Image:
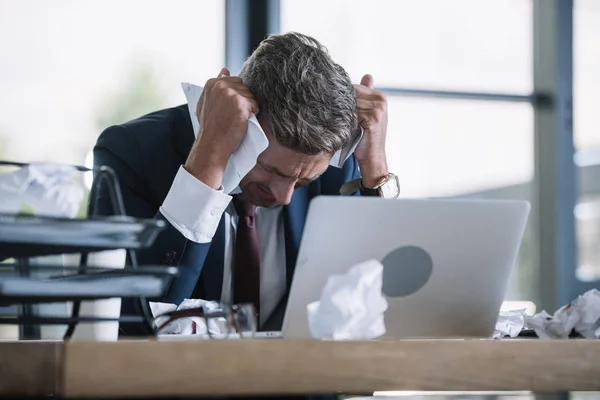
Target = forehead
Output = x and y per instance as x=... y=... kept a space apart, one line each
x=290 y=162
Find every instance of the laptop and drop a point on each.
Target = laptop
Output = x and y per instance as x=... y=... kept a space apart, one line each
x=447 y=262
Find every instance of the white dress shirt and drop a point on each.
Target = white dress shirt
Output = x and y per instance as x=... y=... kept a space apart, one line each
x=195 y=209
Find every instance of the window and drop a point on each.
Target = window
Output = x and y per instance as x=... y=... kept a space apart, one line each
x=586 y=80
x=469 y=148
x=586 y=64
x=69 y=68
x=442 y=147
x=467 y=45
x=587 y=214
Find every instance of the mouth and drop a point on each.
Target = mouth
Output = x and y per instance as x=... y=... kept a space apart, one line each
x=264 y=194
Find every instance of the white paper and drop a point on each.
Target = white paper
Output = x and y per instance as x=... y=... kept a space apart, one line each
x=581 y=315
x=509 y=323
x=351 y=306
x=185 y=326
x=192 y=95
x=340 y=156
x=244 y=158
x=42 y=189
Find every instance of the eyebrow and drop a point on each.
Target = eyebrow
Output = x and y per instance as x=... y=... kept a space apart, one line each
x=281 y=174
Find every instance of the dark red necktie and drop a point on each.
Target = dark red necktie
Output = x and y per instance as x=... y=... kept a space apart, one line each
x=246 y=278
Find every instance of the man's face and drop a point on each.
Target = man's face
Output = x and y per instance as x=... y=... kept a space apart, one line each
x=279 y=171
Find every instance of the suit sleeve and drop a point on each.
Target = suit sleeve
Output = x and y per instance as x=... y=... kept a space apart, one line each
x=332 y=180
x=117 y=148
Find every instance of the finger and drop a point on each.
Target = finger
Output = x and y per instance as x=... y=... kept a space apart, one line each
x=253 y=106
x=224 y=72
x=212 y=81
x=366 y=92
x=245 y=93
x=209 y=84
x=226 y=84
x=232 y=79
x=364 y=104
x=370 y=118
x=236 y=85
x=368 y=81
x=366 y=115
x=235 y=88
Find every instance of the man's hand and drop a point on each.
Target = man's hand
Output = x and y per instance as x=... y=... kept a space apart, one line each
x=372 y=116
x=223 y=111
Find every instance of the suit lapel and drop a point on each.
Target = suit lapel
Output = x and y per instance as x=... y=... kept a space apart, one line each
x=212 y=272
x=294 y=217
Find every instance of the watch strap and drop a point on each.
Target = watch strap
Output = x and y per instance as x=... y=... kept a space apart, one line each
x=356 y=185
x=368 y=191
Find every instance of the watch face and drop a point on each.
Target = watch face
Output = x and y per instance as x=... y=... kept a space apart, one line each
x=390 y=189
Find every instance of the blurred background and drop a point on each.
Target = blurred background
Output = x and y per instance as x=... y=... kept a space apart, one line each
x=491 y=99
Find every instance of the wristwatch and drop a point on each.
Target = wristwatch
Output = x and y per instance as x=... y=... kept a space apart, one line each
x=388 y=187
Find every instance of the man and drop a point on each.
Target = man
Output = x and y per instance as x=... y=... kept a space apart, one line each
x=245 y=250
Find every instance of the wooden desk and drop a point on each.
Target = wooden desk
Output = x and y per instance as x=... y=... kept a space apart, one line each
x=186 y=368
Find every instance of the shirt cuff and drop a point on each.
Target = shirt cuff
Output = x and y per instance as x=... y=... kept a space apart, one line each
x=193 y=208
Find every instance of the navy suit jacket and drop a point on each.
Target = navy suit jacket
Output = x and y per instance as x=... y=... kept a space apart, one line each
x=146 y=154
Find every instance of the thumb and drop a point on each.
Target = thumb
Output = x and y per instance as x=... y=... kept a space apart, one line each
x=224 y=72
x=368 y=81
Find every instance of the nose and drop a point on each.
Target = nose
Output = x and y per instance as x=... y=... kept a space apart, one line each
x=283 y=190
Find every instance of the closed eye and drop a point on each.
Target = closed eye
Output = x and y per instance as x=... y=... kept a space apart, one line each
x=272 y=171
x=269 y=170
x=278 y=173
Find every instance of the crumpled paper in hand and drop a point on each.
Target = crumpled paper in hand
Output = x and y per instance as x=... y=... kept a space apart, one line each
x=581 y=315
x=509 y=323
x=351 y=306
x=186 y=326
x=41 y=190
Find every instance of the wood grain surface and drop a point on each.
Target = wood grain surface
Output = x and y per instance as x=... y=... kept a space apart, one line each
x=31 y=368
x=186 y=368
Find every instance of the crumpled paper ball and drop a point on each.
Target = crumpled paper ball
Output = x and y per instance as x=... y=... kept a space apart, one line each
x=509 y=323
x=351 y=306
x=182 y=326
x=42 y=190
x=581 y=315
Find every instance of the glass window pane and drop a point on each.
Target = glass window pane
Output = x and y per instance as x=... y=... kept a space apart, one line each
x=448 y=147
x=586 y=64
x=587 y=215
x=468 y=45
x=586 y=91
x=466 y=148
x=71 y=68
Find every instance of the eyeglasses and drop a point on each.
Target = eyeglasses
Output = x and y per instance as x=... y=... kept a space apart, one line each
x=215 y=320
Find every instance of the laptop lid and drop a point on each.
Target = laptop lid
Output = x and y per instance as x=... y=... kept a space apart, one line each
x=447 y=262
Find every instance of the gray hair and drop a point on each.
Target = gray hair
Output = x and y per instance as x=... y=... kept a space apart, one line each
x=307 y=99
